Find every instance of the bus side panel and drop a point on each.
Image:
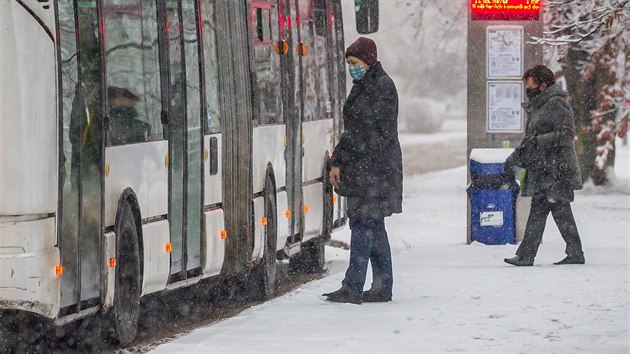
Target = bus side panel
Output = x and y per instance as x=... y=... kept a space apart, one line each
x=143 y=168
x=318 y=139
x=157 y=261
x=215 y=249
x=27 y=267
x=283 y=220
x=28 y=115
x=313 y=210
x=259 y=228
x=269 y=147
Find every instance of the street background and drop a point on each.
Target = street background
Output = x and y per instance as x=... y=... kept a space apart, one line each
x=450 y=296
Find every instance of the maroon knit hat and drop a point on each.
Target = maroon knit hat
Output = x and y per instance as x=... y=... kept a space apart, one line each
x=364 y=49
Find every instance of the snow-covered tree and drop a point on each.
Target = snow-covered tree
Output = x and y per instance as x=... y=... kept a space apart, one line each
x=588 y=43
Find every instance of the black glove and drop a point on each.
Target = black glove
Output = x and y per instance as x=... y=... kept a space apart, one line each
x=508 y=168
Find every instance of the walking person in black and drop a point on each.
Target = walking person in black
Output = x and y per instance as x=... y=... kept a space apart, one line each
x=552 y=172
x=367 y=169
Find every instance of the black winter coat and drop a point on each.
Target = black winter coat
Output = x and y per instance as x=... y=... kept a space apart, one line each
x=548 y=151
x=369 y=154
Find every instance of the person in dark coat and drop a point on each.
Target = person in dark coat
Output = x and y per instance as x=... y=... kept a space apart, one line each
x=367 y=169
x=126 y=128
x=552 y=171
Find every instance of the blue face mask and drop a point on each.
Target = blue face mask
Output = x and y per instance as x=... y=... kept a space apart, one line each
x=357 y=72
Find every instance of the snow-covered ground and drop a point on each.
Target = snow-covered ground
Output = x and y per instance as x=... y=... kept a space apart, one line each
x=454 y=297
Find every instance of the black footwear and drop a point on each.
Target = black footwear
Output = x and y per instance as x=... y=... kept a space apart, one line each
x=373 y=296
x=572 y=259
x=334 y=293
x=342 y=295
x=519 y=261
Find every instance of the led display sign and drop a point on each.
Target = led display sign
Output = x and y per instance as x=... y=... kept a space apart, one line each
x=505 y=10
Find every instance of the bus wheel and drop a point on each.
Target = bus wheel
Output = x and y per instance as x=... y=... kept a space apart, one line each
x=123 y=317
x=312 y=257
x=265 y=273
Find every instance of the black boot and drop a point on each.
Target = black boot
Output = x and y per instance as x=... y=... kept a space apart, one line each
x=519 y=261
x=342 y=295
x=572 y=259
x=375 y=296
x=334 y=293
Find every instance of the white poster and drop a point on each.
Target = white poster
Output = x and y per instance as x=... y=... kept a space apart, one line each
x=505 y=113
x=491 y=218
x=505 y=51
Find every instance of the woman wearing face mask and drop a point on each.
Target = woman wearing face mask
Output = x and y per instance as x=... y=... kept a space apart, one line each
x=552 y=171
x=367 y=169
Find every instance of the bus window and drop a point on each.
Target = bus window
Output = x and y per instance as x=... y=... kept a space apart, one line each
x=321 y=60
x=309 y=62
x=212 y=123
x=267 y=63
x=133 y=76
x=319 y=17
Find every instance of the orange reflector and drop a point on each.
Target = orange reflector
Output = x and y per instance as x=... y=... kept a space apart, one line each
x=287 y=213
x=169 y=247
x=306 y=208
x=223 y=234
x=300 y=49
x=58 y=270
x=334 y=199
x=106 y=170
x=281 y=47
x=112 y=262
x=263 y=221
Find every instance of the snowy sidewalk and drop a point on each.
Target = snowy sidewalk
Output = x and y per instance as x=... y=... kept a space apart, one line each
x=453 y=297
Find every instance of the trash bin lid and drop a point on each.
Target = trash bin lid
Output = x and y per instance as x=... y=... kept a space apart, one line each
x=488 y=161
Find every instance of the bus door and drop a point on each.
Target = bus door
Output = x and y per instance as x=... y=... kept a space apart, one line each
x=185 y=137
x=293 y=98
x=337 y=78
x=81 y=152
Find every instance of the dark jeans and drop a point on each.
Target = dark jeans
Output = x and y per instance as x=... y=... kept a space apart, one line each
x=369 y=243
x=563 y=217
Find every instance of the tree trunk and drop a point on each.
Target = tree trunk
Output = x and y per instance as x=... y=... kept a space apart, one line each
x=582 y=97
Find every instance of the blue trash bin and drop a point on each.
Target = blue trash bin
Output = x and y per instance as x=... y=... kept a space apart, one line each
x=492 y=196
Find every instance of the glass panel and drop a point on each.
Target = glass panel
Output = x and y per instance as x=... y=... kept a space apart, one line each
x=340 y=63
x=332 y=60
x=68 y=173
x=194 y=137
x=309 y=62
x=321 y=61
x=177 y=136
x=211 y=71
x=267 y=66
x=87 y=134
x=151 y=64
x=132 y=71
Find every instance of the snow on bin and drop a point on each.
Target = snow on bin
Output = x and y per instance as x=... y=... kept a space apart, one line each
x=492 y=196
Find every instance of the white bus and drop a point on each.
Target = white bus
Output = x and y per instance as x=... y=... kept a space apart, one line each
x=146 y=145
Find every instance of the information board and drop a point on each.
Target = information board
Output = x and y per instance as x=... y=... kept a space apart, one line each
x=505 y=10
x=505 y=114
x=504 y=51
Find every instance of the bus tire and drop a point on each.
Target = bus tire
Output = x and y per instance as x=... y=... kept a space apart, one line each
x=265 y=273
x=123 y=317
x=312 y=257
